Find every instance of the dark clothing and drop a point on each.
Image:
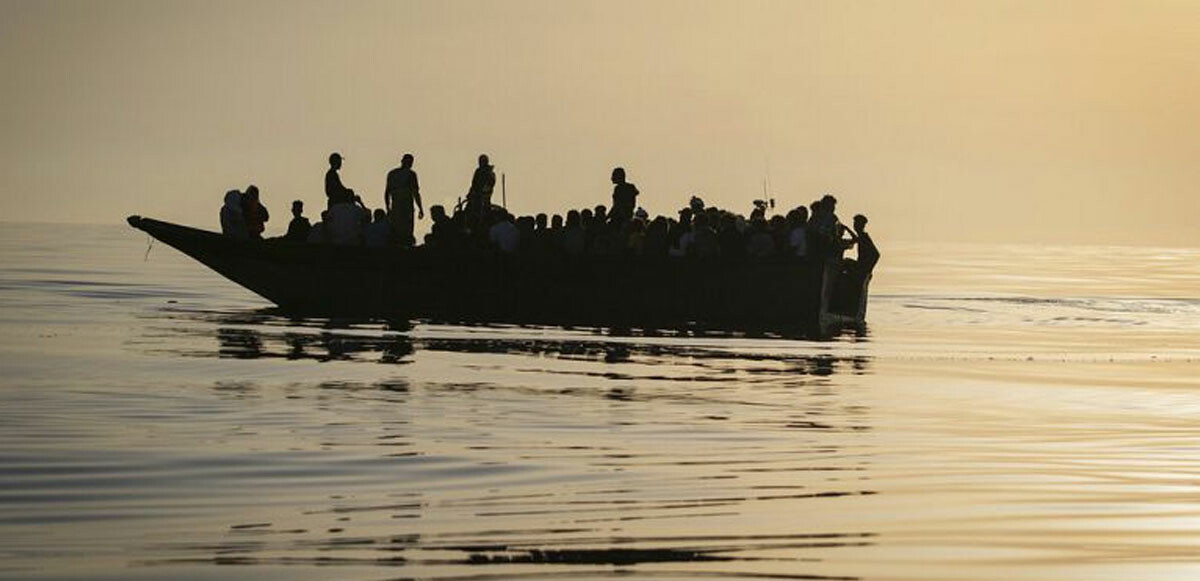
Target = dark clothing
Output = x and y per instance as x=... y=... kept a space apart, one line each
x=624 y=200
x=298 y=229
x=868 y=253
x=733 y=244
x=482 y=185
x=334 y=190
x=402 y=190
x=256 y=216
x=402 y=187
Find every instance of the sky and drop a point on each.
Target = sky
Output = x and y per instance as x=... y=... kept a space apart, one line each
x=946 y=121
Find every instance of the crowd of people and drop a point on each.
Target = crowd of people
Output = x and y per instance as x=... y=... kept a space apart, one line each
x=805 y=233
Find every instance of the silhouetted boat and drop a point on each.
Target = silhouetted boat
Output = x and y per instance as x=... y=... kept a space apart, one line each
x=386 y=282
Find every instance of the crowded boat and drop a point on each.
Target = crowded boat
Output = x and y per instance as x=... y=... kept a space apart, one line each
x=812 y=233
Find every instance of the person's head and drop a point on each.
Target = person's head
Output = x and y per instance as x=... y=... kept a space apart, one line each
x=541 y=221
x=252 y=192
x=335 y=160
x=685 y=216
x=696 y=204
x=437 y=212
x=556 y=222
x=601 y=213
x=380 y=215
x=297 y=208
x=572 y=218
x=585 y=216
x=484 y=161
x=324 y=215
x=829 y=201
x=860 y=222
x=407 y=160
x=802 y=214
x=618 y=175
x=815 y=206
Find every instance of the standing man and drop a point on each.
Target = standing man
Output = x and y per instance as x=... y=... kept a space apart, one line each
x=479 y=198
x=334 y=190
x=624 y=198
x=401 y=192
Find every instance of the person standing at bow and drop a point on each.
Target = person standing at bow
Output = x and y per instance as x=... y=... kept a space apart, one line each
x=483 y=182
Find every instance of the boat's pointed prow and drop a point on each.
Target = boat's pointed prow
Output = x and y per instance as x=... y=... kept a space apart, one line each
x=135 y=221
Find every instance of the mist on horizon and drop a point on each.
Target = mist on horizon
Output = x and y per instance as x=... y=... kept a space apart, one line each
x=943 y=121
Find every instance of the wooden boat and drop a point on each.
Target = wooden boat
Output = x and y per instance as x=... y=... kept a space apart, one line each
x=327 y=280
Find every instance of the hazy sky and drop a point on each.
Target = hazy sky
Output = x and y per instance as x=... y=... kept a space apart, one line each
x=957 y=120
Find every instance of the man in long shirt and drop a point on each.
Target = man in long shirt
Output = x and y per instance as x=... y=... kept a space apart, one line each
x=334 y=190
x=401 y=192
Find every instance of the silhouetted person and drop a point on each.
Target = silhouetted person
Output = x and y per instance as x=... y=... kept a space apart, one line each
x=574 y=236
x=479 y=197
x=759 y=243
x=624 y=197
x=797 y=231
x=401 y=193
x=344 y=227
x=733 y=243
x=299 y=226
x=704 y=239
x=656 y=244
x=254 y=212
x=868 y=253
x=378 y=233
x=334 y=190
x=503 y=234
x=318 y=234
x=233 y=223
x=442 y=234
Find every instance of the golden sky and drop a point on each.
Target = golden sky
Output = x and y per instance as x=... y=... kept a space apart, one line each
x=1023 y=121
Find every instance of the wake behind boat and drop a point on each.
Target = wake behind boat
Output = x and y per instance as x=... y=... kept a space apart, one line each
x=322 y=279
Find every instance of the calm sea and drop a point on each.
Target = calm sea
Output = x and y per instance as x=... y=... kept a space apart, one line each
x=1010 y=412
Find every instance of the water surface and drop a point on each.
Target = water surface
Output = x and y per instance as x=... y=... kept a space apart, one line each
x=1009 y=412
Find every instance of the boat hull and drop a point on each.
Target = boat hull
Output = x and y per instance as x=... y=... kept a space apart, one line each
x=328 y=280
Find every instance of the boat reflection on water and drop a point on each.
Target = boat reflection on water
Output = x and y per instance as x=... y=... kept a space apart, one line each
x=264 y=334
x=544 y=452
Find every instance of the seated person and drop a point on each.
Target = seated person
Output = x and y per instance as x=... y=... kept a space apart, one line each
x=378 y=232
x=233 y=223
x=299 y=226
x=254 y=213
x=318 y=233
x=344 y=226
x=503 y=234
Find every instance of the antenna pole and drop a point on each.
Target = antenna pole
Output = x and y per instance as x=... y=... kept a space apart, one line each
x=503 y=191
